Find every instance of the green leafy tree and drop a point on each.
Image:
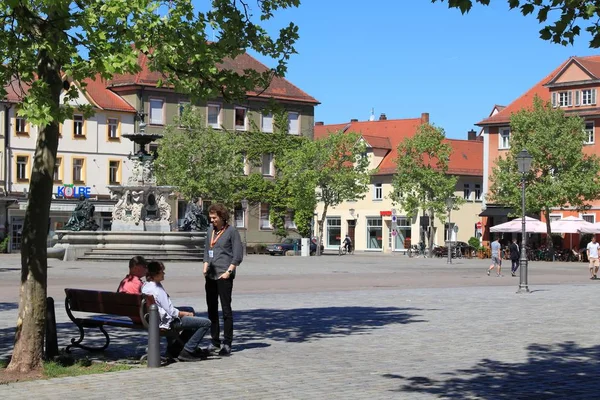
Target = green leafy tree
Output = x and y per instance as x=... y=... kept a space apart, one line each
x=563 y=19
x=200 y=161
x=42 y=41
x=421 y=182
x=335 y=165
x=561 y=173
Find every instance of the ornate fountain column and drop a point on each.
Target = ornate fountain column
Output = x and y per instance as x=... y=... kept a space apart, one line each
x=141 y=204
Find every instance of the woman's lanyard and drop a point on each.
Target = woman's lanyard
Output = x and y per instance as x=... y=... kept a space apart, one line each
x=213 y=239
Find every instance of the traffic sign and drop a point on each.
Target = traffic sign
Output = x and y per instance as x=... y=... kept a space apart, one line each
x=393 y=217
x=478 y=225
x=394 y=233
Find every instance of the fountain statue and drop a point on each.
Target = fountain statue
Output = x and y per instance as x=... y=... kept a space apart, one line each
x=194 y=219
x=141 y=219
x=82 y=218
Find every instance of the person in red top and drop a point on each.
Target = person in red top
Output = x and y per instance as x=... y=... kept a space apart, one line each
x=132 y=283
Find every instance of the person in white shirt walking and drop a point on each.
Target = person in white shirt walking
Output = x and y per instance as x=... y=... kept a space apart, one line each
x=592 y=253
x=193 y=328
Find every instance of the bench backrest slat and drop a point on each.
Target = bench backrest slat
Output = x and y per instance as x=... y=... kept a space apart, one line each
x=93 y=301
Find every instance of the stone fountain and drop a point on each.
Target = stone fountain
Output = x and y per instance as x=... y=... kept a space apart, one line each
x=141 y=220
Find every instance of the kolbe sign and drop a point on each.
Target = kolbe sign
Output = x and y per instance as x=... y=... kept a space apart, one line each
x=72 y=191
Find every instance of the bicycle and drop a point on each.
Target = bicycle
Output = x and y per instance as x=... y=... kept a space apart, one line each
x=343 y=250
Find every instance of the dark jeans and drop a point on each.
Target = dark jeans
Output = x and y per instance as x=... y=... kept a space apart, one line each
x=515 y=265
x=192 y=329
x=220 y=289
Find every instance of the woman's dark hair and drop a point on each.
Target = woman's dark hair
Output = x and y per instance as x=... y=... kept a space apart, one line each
x=154 y=268
x=220 y=210
x=137 y=260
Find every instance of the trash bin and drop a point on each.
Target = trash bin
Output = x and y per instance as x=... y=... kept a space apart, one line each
x=305 y=248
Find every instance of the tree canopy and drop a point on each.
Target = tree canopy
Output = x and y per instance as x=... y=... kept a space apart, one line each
x=563 y=20
x=43 y=43
x=335 y=165
x=562 y=174
x=421 y=182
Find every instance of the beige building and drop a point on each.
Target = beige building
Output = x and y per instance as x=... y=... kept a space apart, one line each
x=375 y=223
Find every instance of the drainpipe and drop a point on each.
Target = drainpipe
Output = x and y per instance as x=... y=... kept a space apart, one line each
x=7 y=176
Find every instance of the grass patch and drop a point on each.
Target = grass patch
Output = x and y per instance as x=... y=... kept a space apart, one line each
x=3 y=363
x=54 y=369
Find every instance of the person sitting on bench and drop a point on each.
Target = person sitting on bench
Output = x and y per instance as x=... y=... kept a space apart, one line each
x=132 y=283
x=193 y=328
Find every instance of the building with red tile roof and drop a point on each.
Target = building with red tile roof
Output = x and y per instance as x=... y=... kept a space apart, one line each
x=374 y=223
x=573 y=86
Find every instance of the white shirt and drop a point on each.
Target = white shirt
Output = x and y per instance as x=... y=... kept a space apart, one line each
x=593 y=249
x=166 y=310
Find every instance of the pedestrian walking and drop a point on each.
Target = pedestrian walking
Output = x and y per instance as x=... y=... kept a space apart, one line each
x=223 y=253
x=514 y=257
x=592 y=253
x=496 y=257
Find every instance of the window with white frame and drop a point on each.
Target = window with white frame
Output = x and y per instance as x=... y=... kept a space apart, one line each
x=293 y=123
x=113 y=128
x=213 y=117
x=377 y=191
x=449 y=232
x=267 y=164
x=57 y=177
x=156 y=112
x=374 y=233
x=240 y=218
x=78 y=126
x=114 y=172
x=20 y=125
x=264 y=217
x=589 y=130
x=588 y=97
x=565 y=99
x=467 y=191
x=78 y=164
x=589 y=218
x=334 y=231
x=240 y=118
x=289 y=220
x=267 y=123
x=555 y=217
x=22 y=163
x=504 y=139
x=477 y=192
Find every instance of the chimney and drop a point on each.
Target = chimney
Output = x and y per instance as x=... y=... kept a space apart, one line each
x=424 y=118
x=319 y=123
x=382 y=117
x=354 y=120
x=472 y=135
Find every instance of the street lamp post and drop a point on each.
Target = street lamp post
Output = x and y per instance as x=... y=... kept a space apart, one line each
x=245 y=208
x=524 y=164
x=449 y=205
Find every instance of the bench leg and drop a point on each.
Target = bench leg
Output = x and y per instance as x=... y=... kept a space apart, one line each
x=77 y=342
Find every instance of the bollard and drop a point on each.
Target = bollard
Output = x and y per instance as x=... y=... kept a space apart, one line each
x=153 y=338
x=51 y=339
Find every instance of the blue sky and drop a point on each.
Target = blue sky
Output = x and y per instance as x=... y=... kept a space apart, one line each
x=403 y=59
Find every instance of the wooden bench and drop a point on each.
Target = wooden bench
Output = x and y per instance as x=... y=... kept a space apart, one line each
x=121 y=310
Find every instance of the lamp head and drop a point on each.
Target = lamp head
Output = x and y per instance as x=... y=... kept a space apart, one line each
x=524 y=160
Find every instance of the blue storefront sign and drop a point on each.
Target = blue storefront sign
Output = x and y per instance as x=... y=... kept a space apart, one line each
x=72 y=191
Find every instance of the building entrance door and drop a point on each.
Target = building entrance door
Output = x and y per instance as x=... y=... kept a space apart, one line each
x=16 y=230
x=351 y=229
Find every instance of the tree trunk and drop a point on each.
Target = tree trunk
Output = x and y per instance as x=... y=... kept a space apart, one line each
x=549 y=241
x=321 y=223
x=29 y=338
x=430 y=234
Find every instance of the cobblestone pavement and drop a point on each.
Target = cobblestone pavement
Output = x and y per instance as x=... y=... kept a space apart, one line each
x=324 y=328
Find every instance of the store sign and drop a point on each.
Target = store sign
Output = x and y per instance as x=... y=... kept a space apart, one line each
x=72 y=191
x=385 y=213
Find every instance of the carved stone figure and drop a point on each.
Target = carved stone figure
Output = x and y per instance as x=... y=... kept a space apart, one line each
x=82 y=218
x=164 y=208
x=194 y=219
x=151 y=207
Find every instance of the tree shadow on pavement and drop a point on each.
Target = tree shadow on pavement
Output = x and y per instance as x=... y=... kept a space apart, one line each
x=558 y=371
x=309 y=324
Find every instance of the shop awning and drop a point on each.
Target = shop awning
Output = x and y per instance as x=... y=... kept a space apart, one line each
x=492 y=211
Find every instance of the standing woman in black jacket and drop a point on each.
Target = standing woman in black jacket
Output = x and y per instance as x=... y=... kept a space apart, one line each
x=223 y=253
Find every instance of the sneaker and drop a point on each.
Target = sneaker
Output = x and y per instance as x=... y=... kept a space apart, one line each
x=512 y=274
x=488 y=272
x=498 y=275
x=187 y=356
x=225 y=350
x=212 y=350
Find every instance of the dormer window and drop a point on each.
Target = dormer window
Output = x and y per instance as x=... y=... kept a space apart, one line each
x=562 y=99
x=588 y=97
